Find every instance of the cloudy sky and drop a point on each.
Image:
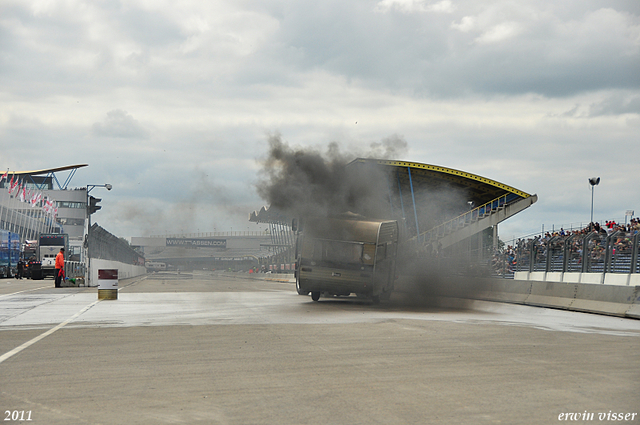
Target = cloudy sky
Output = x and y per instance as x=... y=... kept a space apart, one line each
x=173 y=102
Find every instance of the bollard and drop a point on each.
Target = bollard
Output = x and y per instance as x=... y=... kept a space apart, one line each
x=108 y=284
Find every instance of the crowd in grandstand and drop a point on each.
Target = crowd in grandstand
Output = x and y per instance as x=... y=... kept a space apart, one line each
x=504 y=262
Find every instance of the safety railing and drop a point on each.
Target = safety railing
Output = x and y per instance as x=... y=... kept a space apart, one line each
x=74 y=269
x=580 y=253
x=467 y=218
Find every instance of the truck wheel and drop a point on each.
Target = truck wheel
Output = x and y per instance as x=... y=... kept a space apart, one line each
x=315 y=295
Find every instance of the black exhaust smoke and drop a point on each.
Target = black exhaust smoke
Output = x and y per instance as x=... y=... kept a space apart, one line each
x=304 y=182
x=308 y=182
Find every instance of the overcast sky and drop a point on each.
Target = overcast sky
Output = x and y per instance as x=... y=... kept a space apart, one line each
x=173 y=103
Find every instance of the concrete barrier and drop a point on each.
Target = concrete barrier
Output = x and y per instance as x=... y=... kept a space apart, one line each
x=621 y=279
x=634 y=310
x=607 y=299
x=591 y=278
x=513 y=291
x=537 y=276
x=552 y=294
x=125 y=271
x=615 y=300
x=554 y=277
x=571 y=277
x=521 y=275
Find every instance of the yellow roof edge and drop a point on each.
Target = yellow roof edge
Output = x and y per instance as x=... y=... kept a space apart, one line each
x=446 y=170
x=45 y=171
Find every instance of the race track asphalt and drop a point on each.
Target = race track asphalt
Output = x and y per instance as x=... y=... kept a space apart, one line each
x=219 y=349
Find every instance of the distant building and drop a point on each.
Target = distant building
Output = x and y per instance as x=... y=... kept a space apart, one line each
x=29 y=219
x=210 y=251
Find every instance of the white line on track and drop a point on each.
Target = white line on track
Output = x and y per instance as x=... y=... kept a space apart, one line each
x=26 y=290
x=45 y=334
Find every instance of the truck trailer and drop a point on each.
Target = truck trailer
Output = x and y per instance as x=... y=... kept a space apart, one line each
x=49 y=245
x=9 y=253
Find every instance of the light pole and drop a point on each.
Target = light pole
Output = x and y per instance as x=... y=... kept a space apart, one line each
x=92 y=207
x=593 y=181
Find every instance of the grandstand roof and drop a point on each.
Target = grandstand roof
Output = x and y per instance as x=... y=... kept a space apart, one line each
x=426 y=177
x=412 y=185
x=47 y=170
x=50 y=176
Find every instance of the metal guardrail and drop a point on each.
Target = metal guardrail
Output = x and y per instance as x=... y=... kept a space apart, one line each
x=74 y=269
x=467 y=218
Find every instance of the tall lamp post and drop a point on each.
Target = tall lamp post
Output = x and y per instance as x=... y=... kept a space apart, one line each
x=593 y=181
x=92 y=207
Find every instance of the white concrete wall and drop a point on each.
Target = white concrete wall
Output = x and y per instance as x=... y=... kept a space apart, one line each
x=618 y=279
x=125 y=271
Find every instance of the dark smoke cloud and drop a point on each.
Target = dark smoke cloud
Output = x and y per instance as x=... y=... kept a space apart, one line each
x=304 y=182
x=308 y=182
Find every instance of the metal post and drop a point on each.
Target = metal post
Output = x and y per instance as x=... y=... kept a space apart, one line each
x=592 y=203
x=634 y=253
x=593 y=181
x=566 y=251
x=400 y=193
x=547 y=263
x=608 y=255
x=89 y=188
x=88 y=277
x=586 y=258
x=413 y=198
x=532 y=254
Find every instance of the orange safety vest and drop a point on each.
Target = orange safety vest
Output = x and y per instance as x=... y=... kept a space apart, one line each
x=60 y=261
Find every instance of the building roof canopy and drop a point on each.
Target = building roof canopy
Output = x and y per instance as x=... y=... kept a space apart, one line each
x=427 y=178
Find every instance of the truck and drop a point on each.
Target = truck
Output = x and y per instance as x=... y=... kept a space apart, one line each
x=9 y=253
x=345 y=255
x=49 y=245
x=29 y=254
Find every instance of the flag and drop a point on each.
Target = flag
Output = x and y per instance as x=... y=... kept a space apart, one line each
x=15 y=185
x=4 y=176
x=37 y=197
x=46 y=206
x=50 y=206
x=10 y=185
x=23 y=193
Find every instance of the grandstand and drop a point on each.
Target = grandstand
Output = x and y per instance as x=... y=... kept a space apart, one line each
x=595 y=249
x=440 y=208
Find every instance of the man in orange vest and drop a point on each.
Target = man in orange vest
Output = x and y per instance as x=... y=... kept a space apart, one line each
x=59 y=267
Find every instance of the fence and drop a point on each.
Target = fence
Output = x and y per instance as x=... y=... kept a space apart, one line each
x=578 y=253
x=103 y=245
